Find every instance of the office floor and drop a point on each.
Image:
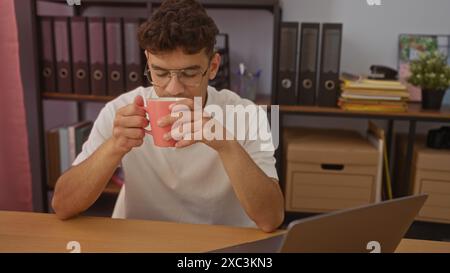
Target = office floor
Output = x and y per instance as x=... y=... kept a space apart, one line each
x=418 y=230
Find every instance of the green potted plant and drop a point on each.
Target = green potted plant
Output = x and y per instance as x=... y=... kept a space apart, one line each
x=431 y=73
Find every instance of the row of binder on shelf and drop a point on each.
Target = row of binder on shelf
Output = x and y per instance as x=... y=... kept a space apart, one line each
x=308 y=81
x=96 y=56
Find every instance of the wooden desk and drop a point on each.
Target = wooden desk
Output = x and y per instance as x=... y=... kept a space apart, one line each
x=38 y=232
x=423 y=246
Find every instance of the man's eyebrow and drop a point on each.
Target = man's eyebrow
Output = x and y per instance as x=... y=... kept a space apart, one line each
x=156 y=67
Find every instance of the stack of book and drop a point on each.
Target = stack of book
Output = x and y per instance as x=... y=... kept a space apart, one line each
x=373 y=95
x=64 y=143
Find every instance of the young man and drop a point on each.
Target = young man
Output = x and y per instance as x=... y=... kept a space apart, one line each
x=211 y=181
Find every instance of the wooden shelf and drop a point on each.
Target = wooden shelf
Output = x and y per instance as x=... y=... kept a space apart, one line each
x=75 y=97
x=260 y=100
x=415 y=112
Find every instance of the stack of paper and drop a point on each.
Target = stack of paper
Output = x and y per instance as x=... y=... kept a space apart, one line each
x=373 y=95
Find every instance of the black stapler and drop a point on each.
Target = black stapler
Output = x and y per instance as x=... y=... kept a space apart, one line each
x=380 y=72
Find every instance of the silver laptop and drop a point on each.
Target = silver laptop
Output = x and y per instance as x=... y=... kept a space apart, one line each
x=376 y=227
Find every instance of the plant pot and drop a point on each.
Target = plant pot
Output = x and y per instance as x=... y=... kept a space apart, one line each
x=432 y=99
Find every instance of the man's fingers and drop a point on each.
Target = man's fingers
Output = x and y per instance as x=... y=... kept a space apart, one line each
x=185 y=130
x=131 y=133
x=166 y=121
x=188 y=139
x=139 y=101
x=134 y=142
x=184 y=143
x=173 y=117
x=132 y=110
x=131 y=121
x=180 y=118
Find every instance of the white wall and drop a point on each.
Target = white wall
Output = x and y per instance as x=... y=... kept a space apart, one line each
x=371 y=32
x=251 y=35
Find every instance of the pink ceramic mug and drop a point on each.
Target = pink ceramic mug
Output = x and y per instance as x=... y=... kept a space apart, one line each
x=157 y=108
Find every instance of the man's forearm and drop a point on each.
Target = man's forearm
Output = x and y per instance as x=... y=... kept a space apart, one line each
x=260 y=195
x=79 y=187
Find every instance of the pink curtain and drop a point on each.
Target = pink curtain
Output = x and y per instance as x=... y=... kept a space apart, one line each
x=15 y=176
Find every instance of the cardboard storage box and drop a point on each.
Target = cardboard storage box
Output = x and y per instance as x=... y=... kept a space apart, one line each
x=328 y=170
x=432 y=176
x=430 y=173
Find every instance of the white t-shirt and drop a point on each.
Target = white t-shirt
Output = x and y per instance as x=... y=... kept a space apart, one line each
x=182 y=185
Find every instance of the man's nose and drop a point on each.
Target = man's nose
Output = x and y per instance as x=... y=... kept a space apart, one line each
x=174 y=87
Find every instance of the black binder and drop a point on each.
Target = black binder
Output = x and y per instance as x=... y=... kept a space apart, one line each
x=114 y=53
x=287 y=64
x=48 y=80
x=329 y=86
x=97 y=48
x=80 y=55
x=133 y=58
x=62 y=52
x=308 y=63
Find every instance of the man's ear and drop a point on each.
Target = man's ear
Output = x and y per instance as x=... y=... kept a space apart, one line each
x=215 y=64
x=146 y=54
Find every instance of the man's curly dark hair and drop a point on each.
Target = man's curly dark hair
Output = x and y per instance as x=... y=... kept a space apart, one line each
x=179 y=24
